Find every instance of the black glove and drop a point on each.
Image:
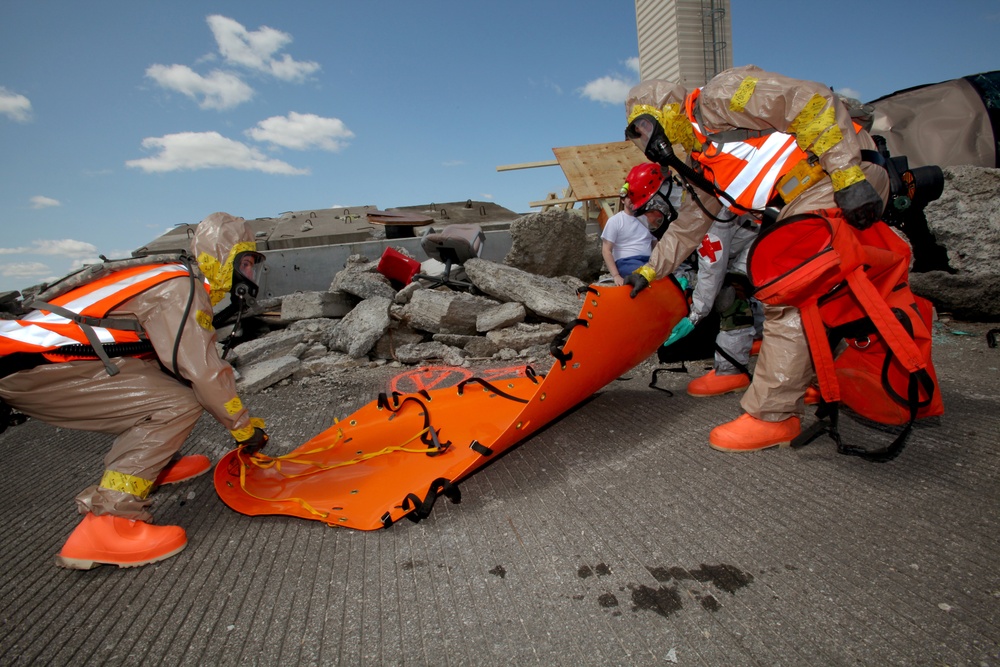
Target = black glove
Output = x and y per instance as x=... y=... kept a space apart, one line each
x=254 y=443
x=638 y=283
x=860 y=203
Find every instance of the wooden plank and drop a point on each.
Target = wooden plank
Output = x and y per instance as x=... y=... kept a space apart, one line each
x=528 y=165
x=399 y=218
x=597 y=171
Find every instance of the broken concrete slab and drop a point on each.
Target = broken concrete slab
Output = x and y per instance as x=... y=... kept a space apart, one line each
x=263 y=374
x=522 y=336
x=358 y=332
x=504 y=315
x=549 y=298
x=311 y=305
x=420 y=352
x=554 y=243
x=444 y=311
x=275 y=344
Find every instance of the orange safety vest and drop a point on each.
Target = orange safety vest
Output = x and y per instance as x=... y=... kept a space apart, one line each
x=747 y=169
x=43 y=331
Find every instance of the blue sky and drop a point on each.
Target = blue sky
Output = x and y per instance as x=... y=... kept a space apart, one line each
x=120 y=119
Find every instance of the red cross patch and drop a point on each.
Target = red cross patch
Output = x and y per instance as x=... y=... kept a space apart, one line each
x=710 y=245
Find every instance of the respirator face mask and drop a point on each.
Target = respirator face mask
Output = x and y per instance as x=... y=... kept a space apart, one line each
x=648 y=136
x=248 y=268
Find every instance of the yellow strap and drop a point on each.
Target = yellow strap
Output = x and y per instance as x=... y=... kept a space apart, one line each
x=120 y=481
x=263 y=462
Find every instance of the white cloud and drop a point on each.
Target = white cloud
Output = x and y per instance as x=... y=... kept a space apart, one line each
x=17 y=107
x=613 y=89
x=258 y=50
x=206 y=150
x=38 y=201
x=219 y=90
x=302 y=131
x=63 y=247
x=849 y=92
x=24 y=270
x=608 y=89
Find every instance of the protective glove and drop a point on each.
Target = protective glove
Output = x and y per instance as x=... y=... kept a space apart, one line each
x=640 y=279
x=254 y=443
x=860 y=203
x=681 y=329
x=637 y=282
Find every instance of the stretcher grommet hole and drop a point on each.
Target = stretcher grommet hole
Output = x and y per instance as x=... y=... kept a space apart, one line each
x=542 y=397
x=590 y=315
x=593 y=303
x=354 y=422
x=336 y=509
x=519 y=425
x=353 y=491
x=342 y=519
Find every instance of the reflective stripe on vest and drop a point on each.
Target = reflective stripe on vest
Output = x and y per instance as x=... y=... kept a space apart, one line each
x=40 y=331
x=746 y=170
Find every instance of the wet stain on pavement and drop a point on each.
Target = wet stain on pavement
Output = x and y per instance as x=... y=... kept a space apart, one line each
x=669 y=598
x=601 y=570
x=663 y=600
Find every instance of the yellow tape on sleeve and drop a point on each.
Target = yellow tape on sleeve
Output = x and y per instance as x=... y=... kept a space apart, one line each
x=845 y=177
x=120 y=481
x=647 y=272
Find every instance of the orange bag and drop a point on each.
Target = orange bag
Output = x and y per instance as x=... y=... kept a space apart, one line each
x=851 y=285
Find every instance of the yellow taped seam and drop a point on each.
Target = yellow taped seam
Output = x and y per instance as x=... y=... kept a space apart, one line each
x=242 y=434
x=640 y=109
x=742 y=95
x=233 y=405
x=647 y=272
x=827 y=140
x=120 y=481
x=677 y=126
x=845 y=177
x=204 y=320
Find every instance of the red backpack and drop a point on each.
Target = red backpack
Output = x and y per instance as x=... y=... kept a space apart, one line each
x=852 y=285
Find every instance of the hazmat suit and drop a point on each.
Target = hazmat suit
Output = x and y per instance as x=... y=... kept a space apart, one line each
x=149 y=400
x=753 y=140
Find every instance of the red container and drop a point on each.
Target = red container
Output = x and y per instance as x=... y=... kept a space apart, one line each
x=397 y=267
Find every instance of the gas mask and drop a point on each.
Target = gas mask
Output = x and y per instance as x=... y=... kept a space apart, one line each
x=648 y=136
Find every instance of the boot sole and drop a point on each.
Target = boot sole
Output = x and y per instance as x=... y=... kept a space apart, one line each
x=84 y=564
x=719 y=448
x=738 y=390
x=185 y=479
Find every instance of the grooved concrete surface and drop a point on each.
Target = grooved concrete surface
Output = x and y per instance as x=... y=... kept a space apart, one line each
x=615 y=536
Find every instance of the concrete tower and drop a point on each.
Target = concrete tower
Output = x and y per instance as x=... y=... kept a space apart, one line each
x=686 y=41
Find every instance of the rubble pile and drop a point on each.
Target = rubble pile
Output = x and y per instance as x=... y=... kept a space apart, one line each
x=513 y=313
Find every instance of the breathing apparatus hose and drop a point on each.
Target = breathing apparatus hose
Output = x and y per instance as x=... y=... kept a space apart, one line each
x=186 y=260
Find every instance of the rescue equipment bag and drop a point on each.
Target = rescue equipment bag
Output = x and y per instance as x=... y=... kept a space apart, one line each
x=851 y=287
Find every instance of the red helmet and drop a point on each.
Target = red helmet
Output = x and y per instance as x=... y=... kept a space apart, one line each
x=642 y=183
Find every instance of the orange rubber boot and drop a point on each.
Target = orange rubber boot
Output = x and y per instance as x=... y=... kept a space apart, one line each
x=113 y=540
x=755 y=348
x=748 y=434
x=183 y=469
x=711 y=384
x=812 y=396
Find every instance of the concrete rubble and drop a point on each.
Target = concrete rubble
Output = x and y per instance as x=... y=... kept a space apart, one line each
x=518 y=307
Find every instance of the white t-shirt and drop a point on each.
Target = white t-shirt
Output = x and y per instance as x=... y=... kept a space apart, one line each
x=629 y=235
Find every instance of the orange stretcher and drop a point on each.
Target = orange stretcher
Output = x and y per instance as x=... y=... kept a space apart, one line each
x=395 y=456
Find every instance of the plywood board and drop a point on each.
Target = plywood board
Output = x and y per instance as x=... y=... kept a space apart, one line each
x=597 y=171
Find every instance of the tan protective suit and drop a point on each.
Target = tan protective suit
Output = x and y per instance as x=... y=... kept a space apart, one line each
x=784 y=368
x=151 y=412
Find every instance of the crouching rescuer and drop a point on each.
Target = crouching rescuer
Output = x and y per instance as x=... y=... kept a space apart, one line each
x=760 y=144
x=129 y=348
